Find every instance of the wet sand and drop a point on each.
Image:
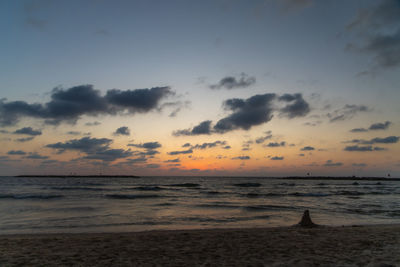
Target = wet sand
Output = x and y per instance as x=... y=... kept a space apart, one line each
x=286 y=246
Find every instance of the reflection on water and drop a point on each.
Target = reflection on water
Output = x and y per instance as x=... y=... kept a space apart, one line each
x=43 y=205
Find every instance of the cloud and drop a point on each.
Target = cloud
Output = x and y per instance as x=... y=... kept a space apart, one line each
x=275 y=144
x=247 y=113
x=380 y=125
x=95 y=123
x=362 y=148
x=16 y=152
x=147 y=145
x=176 y=106
x=231 y=82
x=330 y=163
x=375 y=126
x=376 y=140
x=28 y=131
x=378 y=30
x=297 y=106
x=209 y=145
x=203 y=128
x=253 y=111
x=358 y=130
x=261 y=139
x=347 y=112
x=189 y=151
x=122 y=131
x=187 y=145
x=277 y=158
x=70 y=104
x=172 y=160
x=307 y=148
x=85 y=144
x=242 y=158
x=359 y=165
x=109 y=155
x=21 y=140
x=74 y=133
x=301 y=155
x=34 y=155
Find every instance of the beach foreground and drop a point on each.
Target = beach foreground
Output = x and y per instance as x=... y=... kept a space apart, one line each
x=283 y=246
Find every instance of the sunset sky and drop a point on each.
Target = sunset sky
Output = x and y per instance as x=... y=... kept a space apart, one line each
x=215 y=87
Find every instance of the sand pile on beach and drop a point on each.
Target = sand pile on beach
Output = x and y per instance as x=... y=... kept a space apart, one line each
x=290 y=246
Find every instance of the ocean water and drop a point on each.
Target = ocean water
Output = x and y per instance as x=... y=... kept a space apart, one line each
x=74 y=205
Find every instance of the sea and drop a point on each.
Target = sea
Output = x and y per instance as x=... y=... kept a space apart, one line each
x=31 y=205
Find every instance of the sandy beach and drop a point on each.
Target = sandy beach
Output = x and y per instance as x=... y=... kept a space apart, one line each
x=283 y=246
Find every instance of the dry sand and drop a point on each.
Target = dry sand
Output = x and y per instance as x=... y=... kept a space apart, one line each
x=290 y=246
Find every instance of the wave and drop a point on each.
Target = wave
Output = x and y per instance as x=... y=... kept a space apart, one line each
x=185 y=185
x=267 y=207
x=256 y=195
x=148 y=188
x=248 y=185
x=300 y=194
x=76 y=188
x=125 y=196
x=218 y=206
x=25 y=196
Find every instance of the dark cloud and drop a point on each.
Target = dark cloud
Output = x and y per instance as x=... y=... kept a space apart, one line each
x=276 y=144
x=176 y=107
x=189 y=151
x=297 y=106
x=330 y=163
x=173 y=160
x=209 y=145
x=109 y=155
x=21 y=140
x=227 y=147
x=307 y=148
x=74 y=133
x=362 y=148
x=139 y=100
x=358 y=130
x=16 y=152
x=380 y=125
x=378 y=28
x=95 y=123
x=70 y=104
x=246 y=113
x=28 y=131
x=301 y=155
x=375 y=126
x=187 y=145
x=203 y=128
x=148 y=145
x=242 y=158
x=231 y=82
x=376 y=140
x=253 y=111
x=359 y=165
x=277 y=158
x=122 y=131
x=34 y=155
x=347 y=112
x=86 y=144
x=153 y=166
x=261 y=139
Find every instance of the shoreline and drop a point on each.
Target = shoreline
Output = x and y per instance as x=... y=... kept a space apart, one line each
x=271 y=246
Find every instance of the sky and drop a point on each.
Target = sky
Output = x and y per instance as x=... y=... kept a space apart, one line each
x=213 y=88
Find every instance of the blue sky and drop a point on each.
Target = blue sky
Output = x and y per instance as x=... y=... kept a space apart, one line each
x=333 y=53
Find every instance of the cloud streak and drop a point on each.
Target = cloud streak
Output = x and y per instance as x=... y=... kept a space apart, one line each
x=70 y=104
